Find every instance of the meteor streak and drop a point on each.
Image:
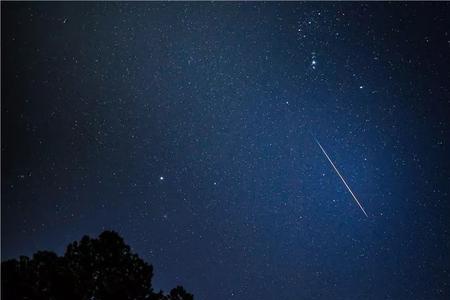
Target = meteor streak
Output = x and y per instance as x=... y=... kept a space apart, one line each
x=342 y=178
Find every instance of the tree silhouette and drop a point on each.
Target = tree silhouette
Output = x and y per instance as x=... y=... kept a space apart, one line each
x=100 y=269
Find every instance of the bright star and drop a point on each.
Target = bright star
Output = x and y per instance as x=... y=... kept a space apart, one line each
x=161 y=178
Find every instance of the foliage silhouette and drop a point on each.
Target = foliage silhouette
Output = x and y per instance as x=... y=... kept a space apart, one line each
x=100 y=269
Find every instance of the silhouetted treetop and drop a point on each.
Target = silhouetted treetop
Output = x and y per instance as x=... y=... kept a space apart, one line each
x=102 y=268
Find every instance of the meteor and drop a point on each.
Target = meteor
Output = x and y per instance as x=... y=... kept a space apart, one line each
x=342 y=178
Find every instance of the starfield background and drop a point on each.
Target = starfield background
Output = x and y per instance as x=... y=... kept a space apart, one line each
x=189 y=128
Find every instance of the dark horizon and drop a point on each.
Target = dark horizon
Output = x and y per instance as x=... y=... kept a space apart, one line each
x=188 y=128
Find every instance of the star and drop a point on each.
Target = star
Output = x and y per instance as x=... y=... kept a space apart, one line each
x=161 y=178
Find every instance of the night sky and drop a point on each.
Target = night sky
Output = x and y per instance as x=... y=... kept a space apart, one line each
x=189 y=128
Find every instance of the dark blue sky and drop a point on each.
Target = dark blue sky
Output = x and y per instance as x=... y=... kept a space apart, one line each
x=188 y=128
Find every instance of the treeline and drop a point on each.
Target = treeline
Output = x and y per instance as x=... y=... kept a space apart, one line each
x=91 y=269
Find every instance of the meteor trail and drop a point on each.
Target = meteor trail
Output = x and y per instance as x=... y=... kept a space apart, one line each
x=342 y=178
